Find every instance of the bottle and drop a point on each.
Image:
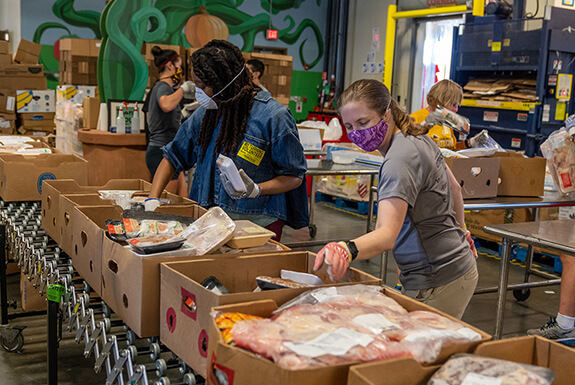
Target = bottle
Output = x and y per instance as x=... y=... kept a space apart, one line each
x=136 y=120
x=121 y=122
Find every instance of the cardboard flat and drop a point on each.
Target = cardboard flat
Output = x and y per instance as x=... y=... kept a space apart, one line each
x=27 y=52
x=529 y=350
x=53 y=189
x=520 y=176
x=21 y=176
x=244 y=367
x=473 y=185
x=185 y=332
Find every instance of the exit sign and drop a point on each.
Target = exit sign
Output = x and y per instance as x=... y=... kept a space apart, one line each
x=272 y=34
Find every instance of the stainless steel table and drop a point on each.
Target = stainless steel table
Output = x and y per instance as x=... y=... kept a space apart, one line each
x=558 y=236
x=321 y=167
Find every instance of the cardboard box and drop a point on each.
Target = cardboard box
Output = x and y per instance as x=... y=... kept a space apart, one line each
x=520 y=176
x=477 y=177
x=52 y=190
x=65 y=221
x=477 y=220
x=21 y=176
x=81 y=47
x=185 y=331
x=7 y=101
x=244 y=367
x=30 y=296
x=79 y=61
x=27 y=52
x=7 y=123
x=526 y=350
x=91 y=108
x=38 y=121
x=75 y=94
x=35 y=101
x=5 y=55
x=14 y=83
x=23 y=70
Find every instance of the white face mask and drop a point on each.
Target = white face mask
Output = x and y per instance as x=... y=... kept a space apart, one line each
x=208 y=103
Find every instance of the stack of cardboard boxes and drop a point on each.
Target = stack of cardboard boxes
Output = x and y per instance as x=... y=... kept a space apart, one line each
x=277 y=74
x=23 y=91
x=79 y=61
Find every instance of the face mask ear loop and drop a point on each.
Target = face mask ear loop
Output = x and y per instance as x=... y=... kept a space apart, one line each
x=227 y=85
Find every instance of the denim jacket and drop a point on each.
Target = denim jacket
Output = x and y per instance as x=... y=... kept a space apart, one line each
x=270 y=148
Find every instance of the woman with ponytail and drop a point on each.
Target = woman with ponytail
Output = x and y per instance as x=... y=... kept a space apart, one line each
x=239 y=120
x=417 y=216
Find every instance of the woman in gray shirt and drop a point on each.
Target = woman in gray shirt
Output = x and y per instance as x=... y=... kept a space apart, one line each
x=416 y=214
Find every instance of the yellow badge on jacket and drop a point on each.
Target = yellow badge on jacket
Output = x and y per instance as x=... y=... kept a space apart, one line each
x=251 y=153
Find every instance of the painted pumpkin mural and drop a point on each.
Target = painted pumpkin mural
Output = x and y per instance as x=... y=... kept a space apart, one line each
x=202 y=28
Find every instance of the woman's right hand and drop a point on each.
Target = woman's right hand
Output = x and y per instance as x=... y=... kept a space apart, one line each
x=336 y=256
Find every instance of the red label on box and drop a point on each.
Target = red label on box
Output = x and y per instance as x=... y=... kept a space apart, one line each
x=566 y=180
x=218 y=374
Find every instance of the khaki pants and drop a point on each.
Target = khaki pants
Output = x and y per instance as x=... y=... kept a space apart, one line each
x=451 y=298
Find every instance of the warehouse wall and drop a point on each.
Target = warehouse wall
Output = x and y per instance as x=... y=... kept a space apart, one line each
x=10 y=20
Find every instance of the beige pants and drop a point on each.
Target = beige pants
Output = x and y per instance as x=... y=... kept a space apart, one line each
x=451 y=298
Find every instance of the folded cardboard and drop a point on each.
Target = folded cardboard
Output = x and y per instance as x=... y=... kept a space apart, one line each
x=7 y=101
x=53 y=189
x=243 y=367
x=478 y=177
x=35 y=101
x=21 y=176
x=91 y=107
x=184 y=329
x=520 y=176
x=27 y=52
x=525 y=350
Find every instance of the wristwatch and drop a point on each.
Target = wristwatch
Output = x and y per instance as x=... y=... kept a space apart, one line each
x=352 y=249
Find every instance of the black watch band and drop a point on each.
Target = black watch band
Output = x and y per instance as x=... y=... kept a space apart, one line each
x=352 y=249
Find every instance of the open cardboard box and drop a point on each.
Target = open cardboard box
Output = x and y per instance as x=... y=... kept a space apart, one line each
x=89 y=241
x=244 y=367
x=530 y=350
x=21 y=176
x=478 y=177
x=185 y=304
x=520 y=176
x=131 y=283
x=52 y=189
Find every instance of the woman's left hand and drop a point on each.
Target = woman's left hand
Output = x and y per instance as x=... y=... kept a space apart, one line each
x=337 y=258
x=471 y=243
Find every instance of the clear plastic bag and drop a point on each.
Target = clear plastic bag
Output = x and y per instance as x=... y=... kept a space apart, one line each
x=559 y=151
x=483 y=140
x=346 y=324
x=468 y=367
x=209 y=232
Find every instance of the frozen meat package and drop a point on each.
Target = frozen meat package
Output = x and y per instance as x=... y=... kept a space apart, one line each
x=559 y=151
x=464 y=369
x=340 y=325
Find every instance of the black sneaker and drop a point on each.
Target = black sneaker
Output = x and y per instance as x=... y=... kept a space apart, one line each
x=551 y=330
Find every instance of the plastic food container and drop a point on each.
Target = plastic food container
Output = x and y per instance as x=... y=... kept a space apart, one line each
x=156 y=244
x=248 y=234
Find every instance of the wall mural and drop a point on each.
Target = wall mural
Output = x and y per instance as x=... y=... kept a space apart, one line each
x=125 y=25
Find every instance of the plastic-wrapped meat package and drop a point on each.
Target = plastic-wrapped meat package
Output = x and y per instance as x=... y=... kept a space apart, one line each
x=467 y=368
x=355 y=323
x=209 y=232
x=560 y=154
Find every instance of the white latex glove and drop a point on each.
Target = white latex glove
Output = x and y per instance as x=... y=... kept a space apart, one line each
x=151 y=204
x=252 y=188
x=189 y=89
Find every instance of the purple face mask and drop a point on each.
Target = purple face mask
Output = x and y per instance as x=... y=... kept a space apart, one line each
x=371 y=138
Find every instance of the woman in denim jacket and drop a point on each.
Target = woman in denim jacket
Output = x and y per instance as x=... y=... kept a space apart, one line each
x=240 y=121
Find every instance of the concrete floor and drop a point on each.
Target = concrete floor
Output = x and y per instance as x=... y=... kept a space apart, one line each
x=29 y=366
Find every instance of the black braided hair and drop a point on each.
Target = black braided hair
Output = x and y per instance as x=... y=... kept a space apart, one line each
x=216 y=64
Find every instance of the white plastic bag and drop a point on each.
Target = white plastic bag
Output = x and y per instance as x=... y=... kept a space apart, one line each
x=559 y=151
